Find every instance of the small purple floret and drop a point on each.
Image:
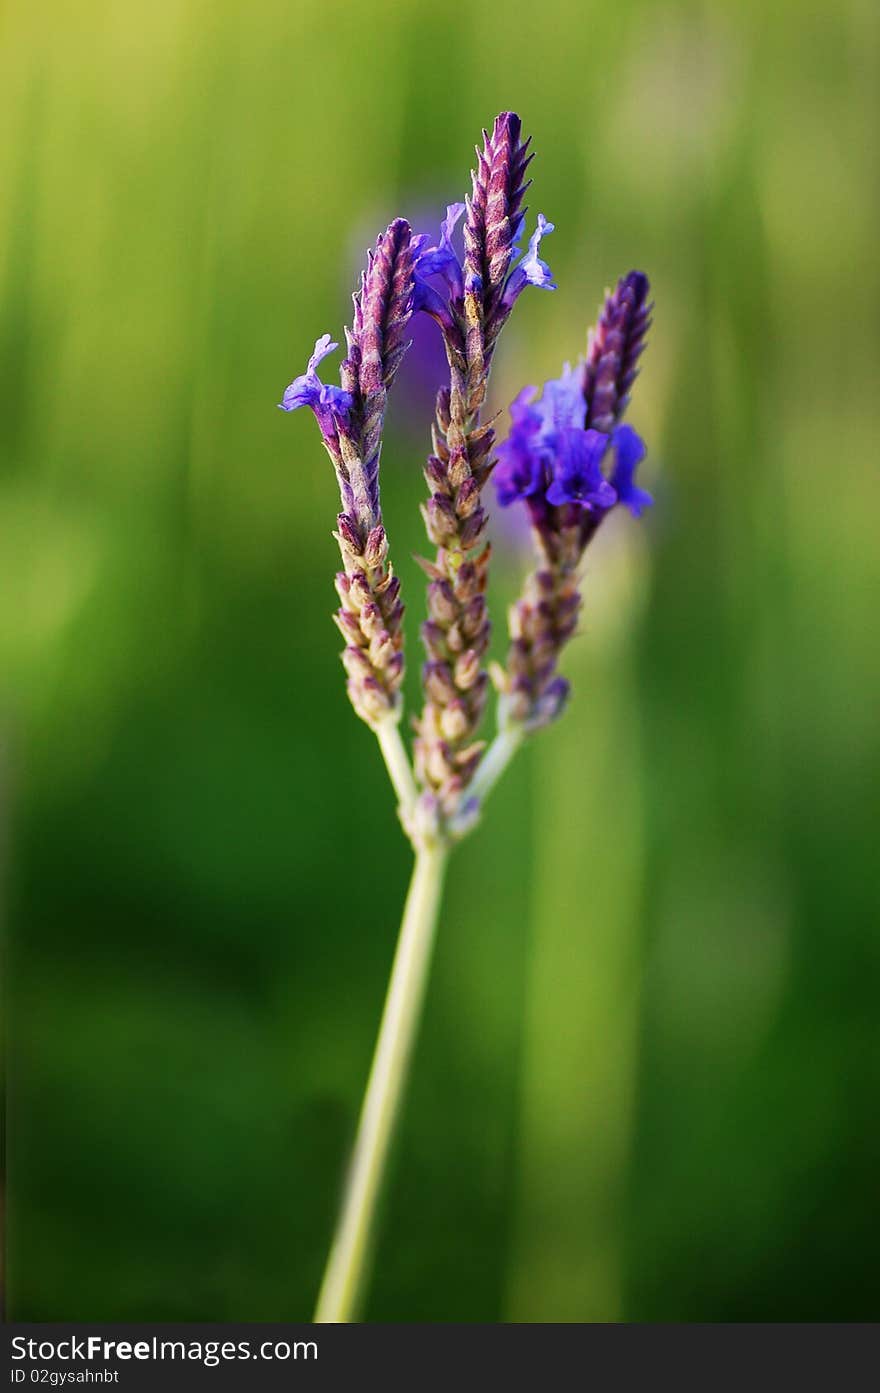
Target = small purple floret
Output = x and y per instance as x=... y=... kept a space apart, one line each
x=522 y=462
x=531 y=270
x=442 y=260
x=549 y=454
x=577 y=470
x=562 y=403
x=326 y=401
x=630 y=450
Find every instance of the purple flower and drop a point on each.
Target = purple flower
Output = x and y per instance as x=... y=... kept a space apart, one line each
x=428 y=299
x=522 y=461
x=549 y=454
x=562 y=404
x=351 y=416
x=493 y=226
x=577 y=470
x=531 y=270
x=586 y=462
x=536 y=271
x=629 y=450
x=526 y=456
x=442 y=260
x=327 y=402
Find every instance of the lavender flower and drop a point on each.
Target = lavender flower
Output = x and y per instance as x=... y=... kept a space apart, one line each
x=570 y=461
x=328 y=403
x=523 y=458
x=629 y=450
x=470 y=298
x=568 y=458
x=531 y=270
x=351 y=418
x=543 y=463
x=577 y=471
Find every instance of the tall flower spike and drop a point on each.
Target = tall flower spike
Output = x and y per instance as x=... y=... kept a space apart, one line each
x=570 y=461
x=494 y=209
x=471 y=301
x=351 y=420
x=613 y=351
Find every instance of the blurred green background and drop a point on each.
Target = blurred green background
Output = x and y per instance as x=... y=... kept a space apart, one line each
x=646 y=1088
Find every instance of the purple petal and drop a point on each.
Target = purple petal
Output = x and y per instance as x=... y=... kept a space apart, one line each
x=442 y=260
x=454 y=213
x=537 y=272
x=525 y=416
x=520 y=472
x=518 y=231
x=306 y=390
x=323 y=346
x=629 y=451
x=426 y=298
x=303 y=391
x=562 y=405
x=522 y=458
x=330 y=404
x=531 y=270
x=577 y=470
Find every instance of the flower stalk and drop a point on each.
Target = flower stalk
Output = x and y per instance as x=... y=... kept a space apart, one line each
x=399 y=768
x=348 y=1263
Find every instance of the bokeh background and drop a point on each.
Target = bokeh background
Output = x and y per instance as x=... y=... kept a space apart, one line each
x=646 y=1087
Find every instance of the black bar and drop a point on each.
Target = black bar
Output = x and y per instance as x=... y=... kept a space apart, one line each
x=595 y=1357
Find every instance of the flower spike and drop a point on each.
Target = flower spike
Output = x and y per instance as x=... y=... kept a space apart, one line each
x=351 y=418
x=571 y=462
x=470 y=297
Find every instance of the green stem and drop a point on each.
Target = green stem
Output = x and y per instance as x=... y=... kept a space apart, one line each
x=496 y=760
x=346 y=1265
x=397 y=763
